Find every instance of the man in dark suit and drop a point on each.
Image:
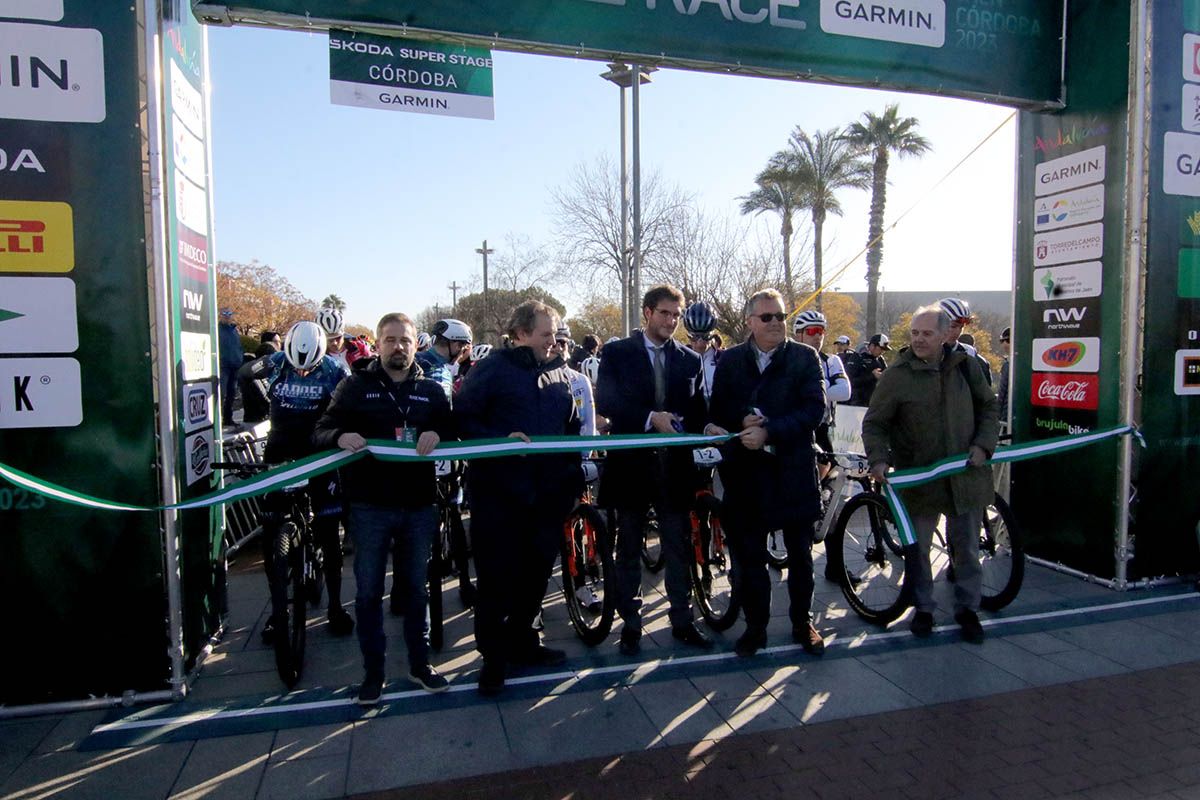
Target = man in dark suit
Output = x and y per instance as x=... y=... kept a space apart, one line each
x=647 y=384
x=769 y=391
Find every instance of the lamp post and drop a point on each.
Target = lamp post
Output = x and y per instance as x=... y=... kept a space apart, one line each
x=487 y=306
x=622 y=75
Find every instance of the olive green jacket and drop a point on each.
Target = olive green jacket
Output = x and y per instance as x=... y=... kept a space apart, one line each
x=923 y=412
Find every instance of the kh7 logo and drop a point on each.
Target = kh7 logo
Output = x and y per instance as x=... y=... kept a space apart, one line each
x=1067 y=354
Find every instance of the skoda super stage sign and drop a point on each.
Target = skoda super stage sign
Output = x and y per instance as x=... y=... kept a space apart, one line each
x=1006 y=50
x=401 y=74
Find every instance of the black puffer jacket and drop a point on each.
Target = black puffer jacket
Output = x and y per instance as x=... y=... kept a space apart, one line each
x=370 y=404
x=511 y=391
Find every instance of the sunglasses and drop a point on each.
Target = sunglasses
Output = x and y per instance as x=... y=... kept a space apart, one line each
x=812 y=330
x=779 y=316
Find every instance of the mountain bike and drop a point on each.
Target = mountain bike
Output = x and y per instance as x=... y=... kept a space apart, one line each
x=294 y=573
x=865 y=552
x=653 y=557
x=589 y=567
x=711 y=567
x=451 y=554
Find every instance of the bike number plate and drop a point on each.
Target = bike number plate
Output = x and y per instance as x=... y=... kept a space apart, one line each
x=441 y=468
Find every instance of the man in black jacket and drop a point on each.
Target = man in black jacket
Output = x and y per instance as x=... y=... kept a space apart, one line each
x=390 y=399
x=647 y=384
x=865 y=368
x=518 y=503
x=769 y=391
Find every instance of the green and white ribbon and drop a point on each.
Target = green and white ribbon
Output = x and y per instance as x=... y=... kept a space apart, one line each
x=905 y=478
x=310 y=467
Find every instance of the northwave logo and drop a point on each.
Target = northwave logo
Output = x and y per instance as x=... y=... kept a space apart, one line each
x=919 y=22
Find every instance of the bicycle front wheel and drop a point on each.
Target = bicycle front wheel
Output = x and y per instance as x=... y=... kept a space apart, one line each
x=588 y=574
x=712 y=567
x=1001 y=555
x=287 y=575
x=868 y=559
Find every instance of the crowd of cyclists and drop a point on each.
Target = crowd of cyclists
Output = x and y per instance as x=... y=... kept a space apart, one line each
x=776 y=394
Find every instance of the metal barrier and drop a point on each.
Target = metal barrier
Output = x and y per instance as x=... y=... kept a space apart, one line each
x=242 y=516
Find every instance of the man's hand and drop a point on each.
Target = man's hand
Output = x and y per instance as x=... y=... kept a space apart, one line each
x=754 y=438
x=519 y=435
x=976 y=456
x=427 y=442
x=879 y=471
x=753 y=421
x=352 y=442
x=876 y=372
x=714 y=430
x=661 y=421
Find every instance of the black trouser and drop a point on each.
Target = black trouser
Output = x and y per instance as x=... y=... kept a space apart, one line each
x=515 y=544
x=752 y=581
x=674 y=536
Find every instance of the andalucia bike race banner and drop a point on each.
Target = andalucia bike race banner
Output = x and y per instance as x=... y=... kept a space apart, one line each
x=1068 y=283
x=1008 y=51
x=83 y=590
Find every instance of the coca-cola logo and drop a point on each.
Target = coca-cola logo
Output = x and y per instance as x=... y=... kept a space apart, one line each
x=1065 y=391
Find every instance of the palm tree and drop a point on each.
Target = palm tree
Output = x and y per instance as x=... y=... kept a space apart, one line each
x=823 y=164
x=778 y=190
x=881 y=136
x=333 y=301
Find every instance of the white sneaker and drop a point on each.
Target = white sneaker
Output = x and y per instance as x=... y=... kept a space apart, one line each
x=588 y=599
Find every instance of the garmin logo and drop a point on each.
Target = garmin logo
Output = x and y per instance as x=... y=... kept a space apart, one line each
x=51 y=74
x=919 y=22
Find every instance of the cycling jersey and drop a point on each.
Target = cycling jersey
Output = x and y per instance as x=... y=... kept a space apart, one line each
x=438 y=369
x=297 y=402
x=837 y=384
x=585 y=404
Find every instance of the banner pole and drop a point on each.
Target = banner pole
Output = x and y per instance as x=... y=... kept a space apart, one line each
x=1132 y=312
x=164 y=376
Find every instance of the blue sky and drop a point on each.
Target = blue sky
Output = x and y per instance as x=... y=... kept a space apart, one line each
x=386 y=208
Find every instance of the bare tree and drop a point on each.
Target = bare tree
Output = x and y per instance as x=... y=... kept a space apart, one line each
x=519 y=264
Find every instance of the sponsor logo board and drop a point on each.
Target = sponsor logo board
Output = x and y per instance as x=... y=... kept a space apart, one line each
x=1080 y=354
x=1187 y=372
x=48 y=10
x=37 y=315
x=51 y=74
x=1190 y=108
x=40 y=393
x=1181 y=164
x=1050 y=423
x=1068 y=282
x=197 y=410
x=196 y=354
x=191 y=205
x=198 y=451
x=192 y=249
x=1063 y=390
x=194 y=306
x=187 y=151
x=1081 y=243
x=1189 y=273
x=1191 y=57
x=1070 y=172
x=919 y=22
x=1070 y=319
x=187 y=104
x=1069 y=208
x=36 y=236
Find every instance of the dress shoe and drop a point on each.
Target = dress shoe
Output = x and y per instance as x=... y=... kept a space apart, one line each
x=922 y=624
x=690 y=634
x=970 y=627
x=631 y=642
x=750 y=643
x=538 y=656
x=491 y=677
x=810 y=639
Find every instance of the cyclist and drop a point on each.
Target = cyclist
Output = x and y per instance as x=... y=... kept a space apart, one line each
x=451 y=345
x=424 y=340
x=358 y=352
x=934 y=404
x=959 y=312
x=700 y=323
x=809 y=328
x=330 y=320
x=301 y=381
x=648 y=385
x=589 y=348
x=390 y=501
x=865 y=369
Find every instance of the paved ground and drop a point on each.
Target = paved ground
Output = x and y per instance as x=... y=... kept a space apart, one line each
x=1077 y=688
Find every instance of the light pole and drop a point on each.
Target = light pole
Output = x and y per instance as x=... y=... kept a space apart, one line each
x=487 y=306
x=622 y=75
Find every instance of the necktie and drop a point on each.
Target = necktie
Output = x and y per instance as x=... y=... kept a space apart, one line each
x=660 y=379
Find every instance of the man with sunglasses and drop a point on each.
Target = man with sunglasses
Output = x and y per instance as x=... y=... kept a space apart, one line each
x=769 y=391
x=647 y=384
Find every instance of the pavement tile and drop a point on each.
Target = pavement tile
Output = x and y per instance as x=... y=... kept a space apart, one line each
x=410 y=749
x=757 y=712
x=70 y=731
x=819 y=691
x=1132 y=644
x=576 y=725
x=312 y=742
x=224 y=767
x=1086 y=664
x=19 y=738
x=131 y=773
x=941 y=673
x=305 y=779
x=680 y=712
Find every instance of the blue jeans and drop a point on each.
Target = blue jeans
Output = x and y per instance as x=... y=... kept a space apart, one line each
x=374 y=528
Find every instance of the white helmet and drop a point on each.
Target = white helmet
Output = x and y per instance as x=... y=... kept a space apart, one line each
x=810 y=317
x=591 y=368
x=612 y=339
x=304 y=345
x=452 y=330
x=424 y=340
x=563 y=332
x=479 y=352
x=955 y=308
x=330 y=319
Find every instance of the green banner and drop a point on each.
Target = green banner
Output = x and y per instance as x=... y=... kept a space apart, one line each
x=1008 y=51
x=1165 y=517
x=84 y=590
x=1068 y=286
